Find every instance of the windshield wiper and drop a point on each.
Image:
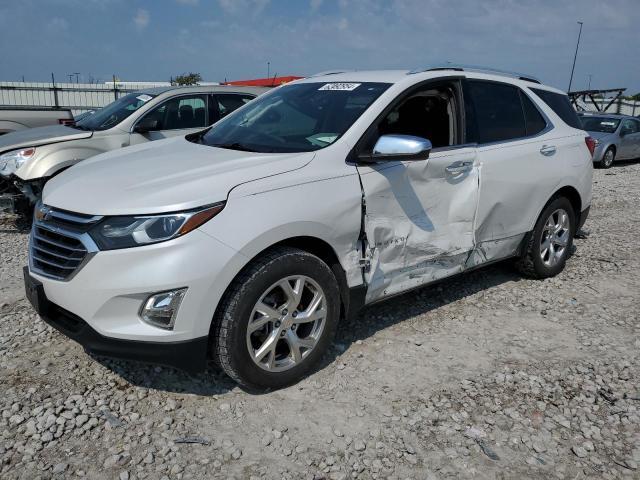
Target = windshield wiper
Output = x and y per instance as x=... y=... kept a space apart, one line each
x=234 y=146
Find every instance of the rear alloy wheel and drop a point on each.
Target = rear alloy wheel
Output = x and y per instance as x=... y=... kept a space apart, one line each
x=608 y=158
x=277 y=319
x=548 y=246
x=555 y=238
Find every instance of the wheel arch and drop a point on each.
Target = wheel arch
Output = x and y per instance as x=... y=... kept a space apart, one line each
x=310 y=244
x=571 y=194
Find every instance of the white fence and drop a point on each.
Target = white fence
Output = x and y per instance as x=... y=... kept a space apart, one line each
x=78 y=97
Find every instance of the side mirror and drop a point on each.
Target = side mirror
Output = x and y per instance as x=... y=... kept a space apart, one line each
x=145 y=125
x=399 y=147
x=624 y=131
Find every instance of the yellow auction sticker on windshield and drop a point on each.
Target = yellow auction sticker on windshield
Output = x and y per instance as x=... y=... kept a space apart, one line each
x=344 y=87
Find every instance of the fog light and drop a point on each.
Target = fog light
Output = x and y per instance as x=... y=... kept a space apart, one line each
x=161 y=309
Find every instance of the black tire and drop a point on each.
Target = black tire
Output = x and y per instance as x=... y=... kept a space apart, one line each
x=531 y=263
x=229 y=329
x=608 y=158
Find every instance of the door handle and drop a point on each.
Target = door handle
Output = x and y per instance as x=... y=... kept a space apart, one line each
x=456 y=168
x=548 y=150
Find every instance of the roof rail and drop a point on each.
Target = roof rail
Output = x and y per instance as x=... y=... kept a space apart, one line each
x=479 y=69
x=330 y=72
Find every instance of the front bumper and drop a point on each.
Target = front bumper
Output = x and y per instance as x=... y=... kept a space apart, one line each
x=598 y=153
x=189 y=355
x=109 y=289
x=12 y=199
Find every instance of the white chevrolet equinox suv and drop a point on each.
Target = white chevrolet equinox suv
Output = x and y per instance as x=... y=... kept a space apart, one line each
x=247 y=242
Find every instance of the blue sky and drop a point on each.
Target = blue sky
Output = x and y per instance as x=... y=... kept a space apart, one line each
x=234 y=39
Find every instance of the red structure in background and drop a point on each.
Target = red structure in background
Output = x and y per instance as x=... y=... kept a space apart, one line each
x=263 y=82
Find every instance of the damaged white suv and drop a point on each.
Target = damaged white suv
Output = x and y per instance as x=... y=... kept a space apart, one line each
x=248 y=242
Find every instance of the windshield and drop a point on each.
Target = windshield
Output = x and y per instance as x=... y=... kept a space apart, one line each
x=295 y=118
x=600 y=124
x=115 y=112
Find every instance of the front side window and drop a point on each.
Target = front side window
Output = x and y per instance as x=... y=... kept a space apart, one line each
x=295 y=118
x=179 y=113
x=115 y=112
x=629 y=127
x=600 y=124
x=494 y=112
x=427 y=112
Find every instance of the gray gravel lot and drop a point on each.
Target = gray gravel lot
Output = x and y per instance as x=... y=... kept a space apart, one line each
x=483 y=376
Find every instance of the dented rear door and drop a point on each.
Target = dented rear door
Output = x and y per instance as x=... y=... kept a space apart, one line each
x=418 y=219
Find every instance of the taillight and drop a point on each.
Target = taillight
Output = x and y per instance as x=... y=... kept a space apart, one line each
x=66 y=122
x=591 y=144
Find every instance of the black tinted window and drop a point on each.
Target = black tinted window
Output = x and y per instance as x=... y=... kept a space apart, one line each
x=180 y=113
x=560 y=105
x=629 y=126
x=494 y=112
x=535 y=122
x=227 y=103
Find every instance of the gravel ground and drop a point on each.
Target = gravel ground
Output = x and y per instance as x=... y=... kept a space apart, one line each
x=483 y=376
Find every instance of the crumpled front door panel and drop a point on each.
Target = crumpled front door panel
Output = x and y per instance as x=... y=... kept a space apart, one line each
x=419 y=220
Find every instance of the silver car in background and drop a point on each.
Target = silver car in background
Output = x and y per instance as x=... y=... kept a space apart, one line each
x=30 y=157
x=617 y=137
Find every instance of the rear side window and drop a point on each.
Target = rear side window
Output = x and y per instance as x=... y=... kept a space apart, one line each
x=494 y=112
x=229 y=102
x=560 y=105
x=534 y=121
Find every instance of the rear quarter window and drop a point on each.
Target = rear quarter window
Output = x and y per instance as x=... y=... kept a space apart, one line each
x=560 y=104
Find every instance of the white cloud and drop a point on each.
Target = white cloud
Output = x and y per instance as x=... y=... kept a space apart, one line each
x=315 y=4
x=246 y=7
x=141 y=19
x=57 y=24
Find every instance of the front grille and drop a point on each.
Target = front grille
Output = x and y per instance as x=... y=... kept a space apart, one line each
x=59 y=244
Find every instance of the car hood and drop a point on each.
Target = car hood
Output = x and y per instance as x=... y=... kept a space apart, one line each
x=601 y=135
x=32 y=137
x=162 y=176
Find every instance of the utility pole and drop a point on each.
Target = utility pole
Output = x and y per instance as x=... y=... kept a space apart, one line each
x=589 y=87
x=77 y=74
x=70 y=77
x=268 y=69
x=575 y=57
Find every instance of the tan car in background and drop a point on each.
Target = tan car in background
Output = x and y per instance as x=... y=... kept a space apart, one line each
x=30 y=157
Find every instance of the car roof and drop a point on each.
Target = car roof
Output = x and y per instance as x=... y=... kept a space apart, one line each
x=605 y=115
x=413 y=76
x=203 y=89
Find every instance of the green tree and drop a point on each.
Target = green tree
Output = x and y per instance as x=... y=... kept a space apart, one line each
x=187 y=79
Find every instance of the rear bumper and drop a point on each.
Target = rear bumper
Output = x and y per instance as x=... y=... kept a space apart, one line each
x=188 y=355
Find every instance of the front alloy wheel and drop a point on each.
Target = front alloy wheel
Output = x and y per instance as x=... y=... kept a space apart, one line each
x=277 y=319
x=608 y=158
x=286 y=323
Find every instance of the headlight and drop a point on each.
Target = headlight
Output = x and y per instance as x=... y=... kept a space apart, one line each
x=13 y=160
x=125 y=232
